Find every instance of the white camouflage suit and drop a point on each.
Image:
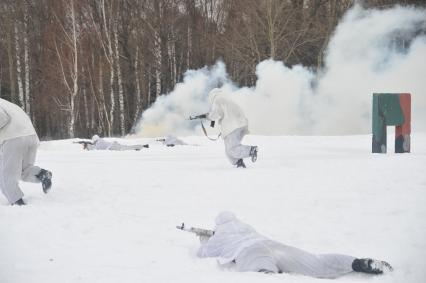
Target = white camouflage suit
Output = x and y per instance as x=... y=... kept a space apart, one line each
x=103 y=144
x=233 y=123
x=236 y=243
x=18 y=149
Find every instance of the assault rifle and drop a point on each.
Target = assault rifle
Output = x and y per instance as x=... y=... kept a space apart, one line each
x=200 y=117
x=84 y=143
x=197 y=231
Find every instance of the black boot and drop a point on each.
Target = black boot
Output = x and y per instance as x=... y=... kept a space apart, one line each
x=240 y=164
x=46 y=179
x=253 y=153
x=371 y=266
x=19 y=202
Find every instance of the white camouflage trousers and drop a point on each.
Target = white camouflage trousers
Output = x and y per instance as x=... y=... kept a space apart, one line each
x=233 y=147
x=117 y=146
x=276 y=257
x=17 y=157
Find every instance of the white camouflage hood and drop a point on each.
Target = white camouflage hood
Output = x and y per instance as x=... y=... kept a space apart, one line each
x=230 y=238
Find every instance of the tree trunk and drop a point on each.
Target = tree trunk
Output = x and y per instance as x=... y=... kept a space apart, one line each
x=10 y=58
x=86 y=108
x=119 y=81
x=19 y=68
x=158 y=60
x=138 y=89
x=110 y=57
x=148 y=103
x=171 y=49
x=92 y=114
x=271 y=29
x=103 y=108
x=75 y=74
x=189 y=46
x=1 y=80
x=27 y=94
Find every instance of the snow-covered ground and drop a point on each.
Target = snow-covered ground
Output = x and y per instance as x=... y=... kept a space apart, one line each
x=111 y=216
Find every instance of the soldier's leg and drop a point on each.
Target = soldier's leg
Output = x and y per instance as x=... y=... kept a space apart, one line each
x=120 y=147
x=11 y=168
x=29 y=171
x=233 y=147
x=257 y=258
x=116 y=146
x=293 y=260
x=134 y=147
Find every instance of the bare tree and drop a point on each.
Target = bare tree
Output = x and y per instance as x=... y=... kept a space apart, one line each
x=7 y=19
x=26 y=62
x=67 y=53
x=96 y=65
x=21 y=95
x=119 y=79
x=138 y=89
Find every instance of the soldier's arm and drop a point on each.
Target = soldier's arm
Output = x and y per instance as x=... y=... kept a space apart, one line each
x=216 y=112
x=4 y=118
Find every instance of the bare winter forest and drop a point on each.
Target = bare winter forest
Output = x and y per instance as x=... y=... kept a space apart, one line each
x=80 y=67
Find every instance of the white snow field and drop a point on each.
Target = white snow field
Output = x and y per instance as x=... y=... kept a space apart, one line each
x=111 y=216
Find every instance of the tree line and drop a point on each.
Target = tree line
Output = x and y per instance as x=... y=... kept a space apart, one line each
x=80 y=67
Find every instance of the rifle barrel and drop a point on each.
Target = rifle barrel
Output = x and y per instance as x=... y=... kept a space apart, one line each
x=197 y=231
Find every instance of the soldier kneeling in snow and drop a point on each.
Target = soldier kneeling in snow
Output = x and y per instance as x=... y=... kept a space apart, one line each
x=18 y=150
x=236 y=243
x=234 y=126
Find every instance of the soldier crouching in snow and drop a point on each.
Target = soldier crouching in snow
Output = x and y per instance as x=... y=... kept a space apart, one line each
x=234 y=127
x=237 y=244
x=18 y=149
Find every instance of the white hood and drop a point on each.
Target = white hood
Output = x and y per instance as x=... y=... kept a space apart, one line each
x=213 y=93
x=224 y=110
x=230 y=238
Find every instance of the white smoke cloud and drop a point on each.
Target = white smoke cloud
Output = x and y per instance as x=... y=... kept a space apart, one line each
x=361 y=59
x=169 y=114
